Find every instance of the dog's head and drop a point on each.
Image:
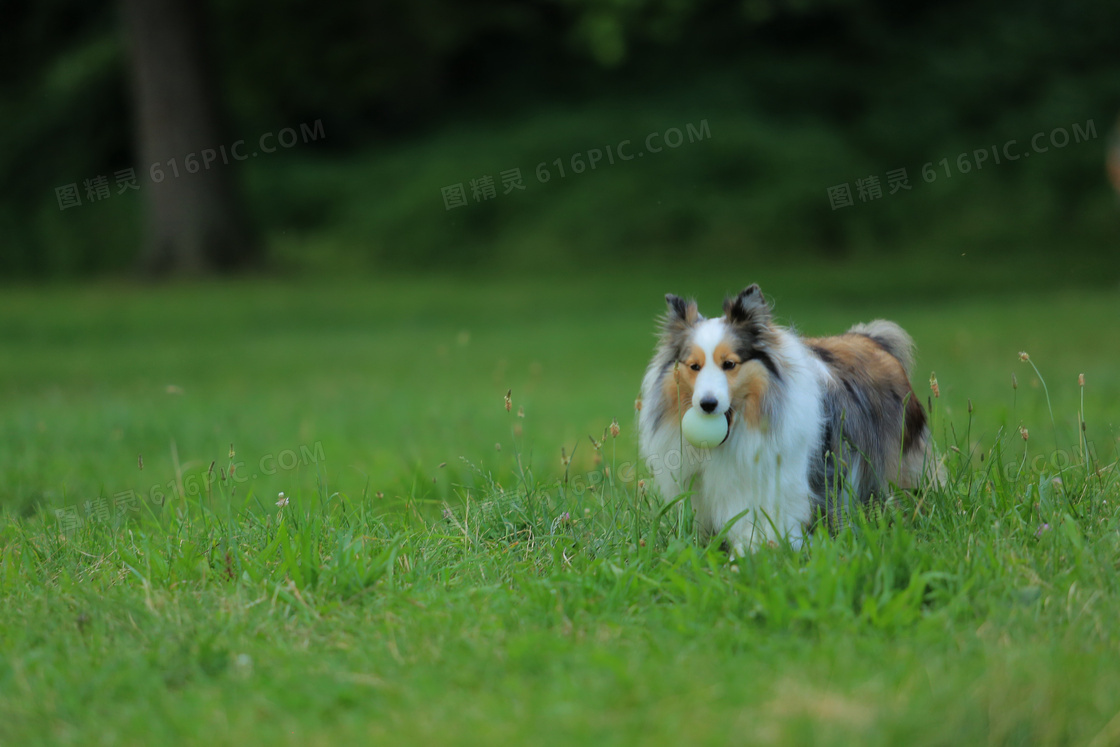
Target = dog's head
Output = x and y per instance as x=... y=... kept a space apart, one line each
x=721 y=365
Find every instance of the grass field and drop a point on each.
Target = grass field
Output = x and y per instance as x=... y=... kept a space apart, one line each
x=434 y=579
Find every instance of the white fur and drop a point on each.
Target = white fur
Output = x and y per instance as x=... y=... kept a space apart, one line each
x=762 y=473
x=711 y=381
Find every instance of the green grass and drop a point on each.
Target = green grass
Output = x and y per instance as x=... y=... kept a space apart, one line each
x=489 y=601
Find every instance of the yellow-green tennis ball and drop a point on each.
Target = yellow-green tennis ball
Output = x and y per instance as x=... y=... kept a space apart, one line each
x=703 y=430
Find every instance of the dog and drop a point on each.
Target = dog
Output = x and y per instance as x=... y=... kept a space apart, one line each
x=815 y=425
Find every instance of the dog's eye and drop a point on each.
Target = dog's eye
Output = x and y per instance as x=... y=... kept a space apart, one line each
x=729 y=364
x=695 y=366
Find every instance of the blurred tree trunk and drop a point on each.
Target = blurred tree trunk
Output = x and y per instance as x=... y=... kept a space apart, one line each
x=195 y=222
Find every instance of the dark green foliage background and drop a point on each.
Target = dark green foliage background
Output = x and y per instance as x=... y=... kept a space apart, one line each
x=415 y=96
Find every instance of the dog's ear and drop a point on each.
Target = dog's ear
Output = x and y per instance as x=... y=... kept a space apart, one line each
x=748 y=308
x=681 y=312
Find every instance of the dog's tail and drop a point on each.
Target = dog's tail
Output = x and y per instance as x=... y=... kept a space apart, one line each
x=892 y=337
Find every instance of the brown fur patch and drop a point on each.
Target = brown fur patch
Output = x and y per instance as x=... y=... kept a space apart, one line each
x=862 y=358
x=748 y=391
x=875 y=381
x=748 y=383
x=724 y=352
x=681 y=381
x=915 y=422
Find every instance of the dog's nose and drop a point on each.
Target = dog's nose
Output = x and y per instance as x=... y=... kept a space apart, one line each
x=708 y=404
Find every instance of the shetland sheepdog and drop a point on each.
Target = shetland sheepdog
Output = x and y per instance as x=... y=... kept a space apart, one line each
x=816 y=425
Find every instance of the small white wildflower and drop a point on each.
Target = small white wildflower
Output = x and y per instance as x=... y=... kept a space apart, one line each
x=243 y=664
x=283 y=500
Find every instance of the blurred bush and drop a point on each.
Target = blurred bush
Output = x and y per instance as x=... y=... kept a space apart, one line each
x=800 y=95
